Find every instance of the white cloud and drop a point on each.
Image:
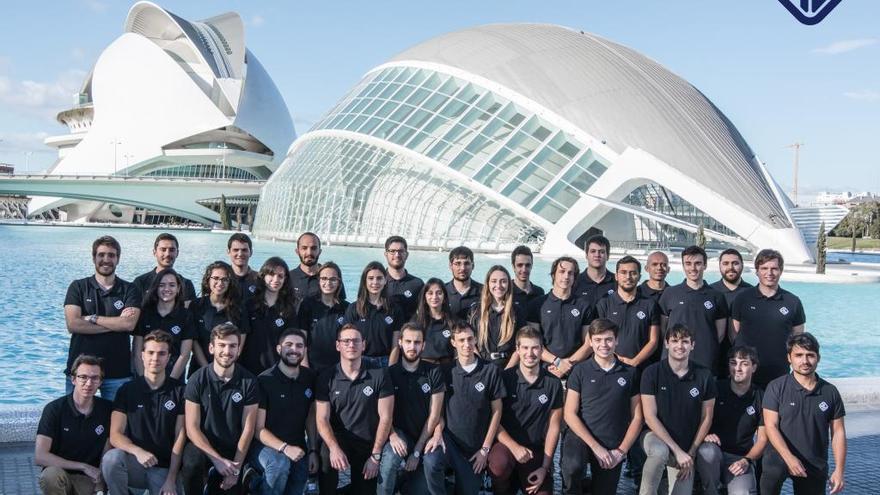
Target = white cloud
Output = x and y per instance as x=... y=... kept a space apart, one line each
x=844 y=46
x=96 y=5
x=257 y=20
x=31 y=142
x=863 y=95
x=40 y=98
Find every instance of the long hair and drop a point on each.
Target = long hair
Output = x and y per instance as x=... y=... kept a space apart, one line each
x=231 y=297
x=486 y=303
x=286 y=297
x=331 y=266
x=151 y=298
x=364 y=297
x=423 y=311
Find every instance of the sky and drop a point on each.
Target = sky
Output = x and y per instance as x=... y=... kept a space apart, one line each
x=780 y=82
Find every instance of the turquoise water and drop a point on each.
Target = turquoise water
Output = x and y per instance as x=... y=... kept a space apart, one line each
x=39 y=262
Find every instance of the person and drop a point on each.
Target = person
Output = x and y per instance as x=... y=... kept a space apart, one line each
x=240 y=248
x=165 y=309
x=304 y=277
x=463 y=291
x=799 y=410
x=697 y=306
x=220 y=416
x=531 y=417
x=737 y=438
x=603 y=413
x=435 y=317
x=165 y=250
x=100 y=312
x=72 y=434
x=524 y=291
x=354 y=409
x=730 y=266
x=562 y=317
x=321 y=317
x=376 y=316
x=678 y=399
x=474 y=390
x=595 y=282
x=496 y=319
x=271 y=311
x=146 y=427
x=765 y=316
x=219 y=303
x=287 y=440
x=403 y=287
x=657 y=266
x=637 y=317
x=418 y=393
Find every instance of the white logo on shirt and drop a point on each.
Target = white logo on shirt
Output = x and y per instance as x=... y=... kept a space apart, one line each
x=175 y=329
x=823 y=406
x=575 y=312
x=750 y=410
x=479 y=386
x=610 y=291
x=543 y=398
x=368 y=390
x=236 y=397
x=621 y=381
x=339 y=320
x=308 y=393
x=118 y=304
x=447 y=333
x=279 y=322
x=641 y=315
x=389 y=320
x=694 y=392
x=407 y=293
x=426 y=388
x=169 y=404
x=783 y=310
x=100 y=429
x=708 y=305
x=252 y=288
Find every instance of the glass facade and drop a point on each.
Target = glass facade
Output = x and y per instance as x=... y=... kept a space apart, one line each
x=205 y=171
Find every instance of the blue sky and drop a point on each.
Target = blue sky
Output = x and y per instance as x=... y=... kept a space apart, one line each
x=777 y=80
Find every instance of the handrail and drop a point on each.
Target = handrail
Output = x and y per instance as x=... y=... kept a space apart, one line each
x=139 y=178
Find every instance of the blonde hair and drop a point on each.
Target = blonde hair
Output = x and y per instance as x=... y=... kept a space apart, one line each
x=486 y=302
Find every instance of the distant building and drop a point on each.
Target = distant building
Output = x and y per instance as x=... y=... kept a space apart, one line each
x=844 y=198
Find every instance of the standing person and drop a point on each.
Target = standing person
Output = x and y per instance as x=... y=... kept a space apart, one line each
x=221 y=415
x=72 y=434
x=271 y=311
x=799 y=410
x=474 y=390
x=678 y=399
x=165 y=309
x=563 y=318
x=418 y=391
x=304 y=277
x=730 y=266
x=531 y=418
x=496 y=319
x=354 y=409
x=434 y=315
x=321 y=317
x=100 y=312
x=376 y=316
x=657 y=266
x=240 y=248
x=595 y=282
x=698 y=307
x=165 y=250
x=524 y=291
x=463 y=291
x=219 y=303
x=765 y=317
x=403 y=287
x=285 y=416
x=146 y=427
x=730 y=450
x=603 y=413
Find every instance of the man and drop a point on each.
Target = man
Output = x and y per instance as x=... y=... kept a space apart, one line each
x=474 y=390
x=221 y=415
x=100 y=312
x=304 y=278
x=697 y=306
x=240 y=248
x=730 y=265
x=285 y=416
x=637 y=317
x=765 y=317
x=146 y=428
x=603 y=414
x=595 y=282
x=524 y=291
x=799 y=410
x=464 y=292
x=530 y=421
x=562 y=317
x=730 y=451
x=403 y=287
x=72 y=434
x=418 y=392
x=678 y=398
x=657 y=266
x=355 y=404
x=165 y=250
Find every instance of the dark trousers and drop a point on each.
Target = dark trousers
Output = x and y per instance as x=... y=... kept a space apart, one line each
x=194 y=474
x=358 y=453
x=775 y=472
x=502 y=466
x=575 y=454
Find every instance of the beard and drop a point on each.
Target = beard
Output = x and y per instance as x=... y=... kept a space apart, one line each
x=732 y=276
x=291 y=359
x=413 y=360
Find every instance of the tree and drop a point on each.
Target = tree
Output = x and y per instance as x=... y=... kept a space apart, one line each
x=224 y=214
x=701 y=237
x=820 y=250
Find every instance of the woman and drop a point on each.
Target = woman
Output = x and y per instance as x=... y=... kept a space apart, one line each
x=321 y=317
x=496 y=319
x=272 y=310
x=433 y=314
x=377 y=318
x=220 y=302
x=164 y=309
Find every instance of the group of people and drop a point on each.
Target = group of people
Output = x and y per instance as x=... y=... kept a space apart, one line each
x=269 y=376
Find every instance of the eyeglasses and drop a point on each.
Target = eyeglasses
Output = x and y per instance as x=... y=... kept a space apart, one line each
x=330 y=280
x=349 y=341
x=88 y=378
x=395 y=251
x=222 y=280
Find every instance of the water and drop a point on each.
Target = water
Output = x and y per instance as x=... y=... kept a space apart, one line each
x=39 y=262
x=858 y=257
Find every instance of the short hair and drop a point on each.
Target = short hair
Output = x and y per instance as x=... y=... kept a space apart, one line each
x=304 y=234
x=680 y=331
x=804 y=340
x=600 y=240
x=744 y=352
x=396 y=238
x=602 y=325
x=413 y=326
x=106 y=240
x=732 y=251
x=628 y=260
x=165 y=236
x=520 y=251
x=349 y=326
x=295 y=332
x=224 y=330
x=766 y=255
x=460 y=327
x=527 y=332
x=563 y=259
x=239 y=237
x=89 y=360
x=694 y=251
x=461 y=252
x=160 y=337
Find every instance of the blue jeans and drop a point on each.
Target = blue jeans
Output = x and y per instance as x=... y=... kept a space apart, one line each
x=466 y=481
x=429 y=477
x=109 y=386
x=281 y=476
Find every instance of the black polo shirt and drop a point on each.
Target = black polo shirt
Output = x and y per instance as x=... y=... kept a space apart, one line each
x=633 y=319
x=605 y=399
x=527 y=406
x=586 y=287
x=730 y=295
x=437 y=340
x=522 y=299
x=562 y=321
x=206 y=317
x=321 y=323
x=412 y=395
x=737 y=418
x=151 y=415
x=405 y=293
x=144 y=281
x=354 y=404
x=179 y=323
x=266 y=325
x=287 y=402
x=679 y=399
x=305 y=285
x=696 y=309
x=765 y=324
x=222 y=404
x=805 y=418
x=646 y=291
x=468 y=400
x=113 y=347
x=377 y=327
x=493 y=345
x=247 y=285
x=75 y=436
x=461 y=305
